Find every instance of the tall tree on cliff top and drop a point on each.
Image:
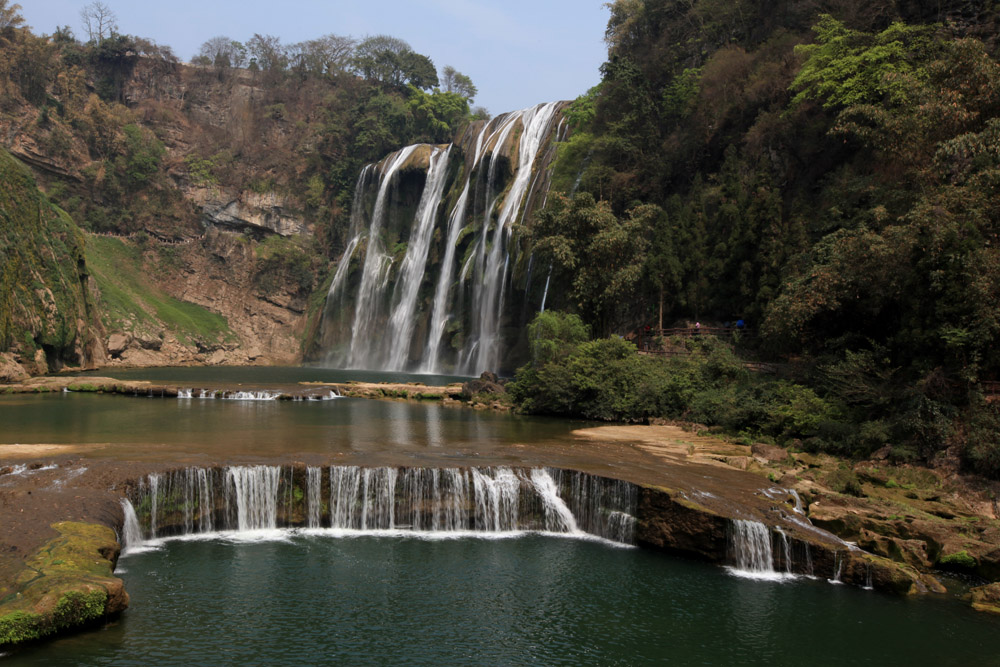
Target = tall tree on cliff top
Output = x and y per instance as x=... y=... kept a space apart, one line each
x=99 y=21
x=10 y=16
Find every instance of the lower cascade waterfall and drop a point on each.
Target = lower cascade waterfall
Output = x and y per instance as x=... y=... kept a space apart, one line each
x=750 y=548
x=487 y=500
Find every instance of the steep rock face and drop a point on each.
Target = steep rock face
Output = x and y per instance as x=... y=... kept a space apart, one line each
x=268 y=325
x=249 y=212
x=46 y=311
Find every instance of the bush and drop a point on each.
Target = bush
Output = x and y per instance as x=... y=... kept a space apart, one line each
x=844 y=480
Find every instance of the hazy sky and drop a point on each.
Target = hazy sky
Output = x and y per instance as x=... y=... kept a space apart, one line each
x=517 y=52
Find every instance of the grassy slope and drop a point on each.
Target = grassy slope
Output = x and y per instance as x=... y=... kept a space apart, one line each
x=129 y=301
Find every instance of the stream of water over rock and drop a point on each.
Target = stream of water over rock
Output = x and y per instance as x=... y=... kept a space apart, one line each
x=429 y=285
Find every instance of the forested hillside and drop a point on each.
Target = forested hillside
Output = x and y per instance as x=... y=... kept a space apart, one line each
x=227 y=181
x=826 y=171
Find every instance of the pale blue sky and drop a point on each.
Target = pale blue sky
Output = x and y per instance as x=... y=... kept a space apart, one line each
x=517 y=52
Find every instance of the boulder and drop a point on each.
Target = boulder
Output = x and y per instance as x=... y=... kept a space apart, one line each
x=10 y=370
x=118 y=343
x=765 y=453
x=911 y=552
x=488 y=383
x=986 y=598
x=738 y=462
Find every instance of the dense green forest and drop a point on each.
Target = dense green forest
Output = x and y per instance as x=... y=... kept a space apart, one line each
x=826 y=171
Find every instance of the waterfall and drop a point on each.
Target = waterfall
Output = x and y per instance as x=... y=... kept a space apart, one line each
x=750 y=548
x=545 y=294
x=401 y=322
x=314 y=494
x=256 y=491
x=154 y=495
x=600 y=506
x=450 y=500
x=536 y=122
x=412 y=307
x=440 y=311
x=131 y=532
x=375 y=273
x=558 y=517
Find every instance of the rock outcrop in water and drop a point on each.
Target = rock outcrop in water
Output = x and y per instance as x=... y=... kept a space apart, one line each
x=68 y=583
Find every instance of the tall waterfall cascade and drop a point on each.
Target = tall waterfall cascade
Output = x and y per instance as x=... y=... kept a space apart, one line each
x=424 y=283
x=450 y=500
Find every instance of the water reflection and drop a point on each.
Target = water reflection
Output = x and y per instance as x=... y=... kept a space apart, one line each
x=163 y=427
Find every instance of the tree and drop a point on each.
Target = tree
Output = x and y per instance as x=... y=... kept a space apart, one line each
x=418 y=70
x=10 y=16
x=391 y=61
x=454 y=81
x=99 y=21
x=436 y=114
x=325 y=55
x=599 y=255
x=376 y=58
x=267 y=52
x=63 y=35
x=223 y=52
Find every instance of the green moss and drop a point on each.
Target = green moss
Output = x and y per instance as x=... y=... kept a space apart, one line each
x=78 y=608
x=84 y=387
x=67 y=583
x=42 y=294
x=843 y=480
x=20 y=626
x=961 y=560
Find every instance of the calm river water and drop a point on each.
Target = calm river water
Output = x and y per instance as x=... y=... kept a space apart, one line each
x=293 y=598
x=532 y=600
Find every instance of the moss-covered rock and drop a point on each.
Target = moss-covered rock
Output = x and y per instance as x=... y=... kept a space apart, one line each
x=68 y=583
x=45 y=307
x=986 y=598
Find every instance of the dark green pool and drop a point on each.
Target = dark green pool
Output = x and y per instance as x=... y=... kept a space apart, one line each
x=532 y=600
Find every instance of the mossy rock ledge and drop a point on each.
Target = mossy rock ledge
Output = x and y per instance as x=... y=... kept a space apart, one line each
x=67 y=584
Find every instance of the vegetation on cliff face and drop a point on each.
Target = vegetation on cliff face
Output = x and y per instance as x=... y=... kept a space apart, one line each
x=825 y=171
x=44 y=301
x=130 y=301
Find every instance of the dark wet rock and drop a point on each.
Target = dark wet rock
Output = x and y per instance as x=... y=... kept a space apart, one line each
x=488 y=383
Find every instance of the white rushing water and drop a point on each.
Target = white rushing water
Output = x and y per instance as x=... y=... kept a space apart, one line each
x=447 y=501
x=256 y=491
x=131 y=532
x=375 y=272
x=750 y=549
x=402 y=313
x=314 y=500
